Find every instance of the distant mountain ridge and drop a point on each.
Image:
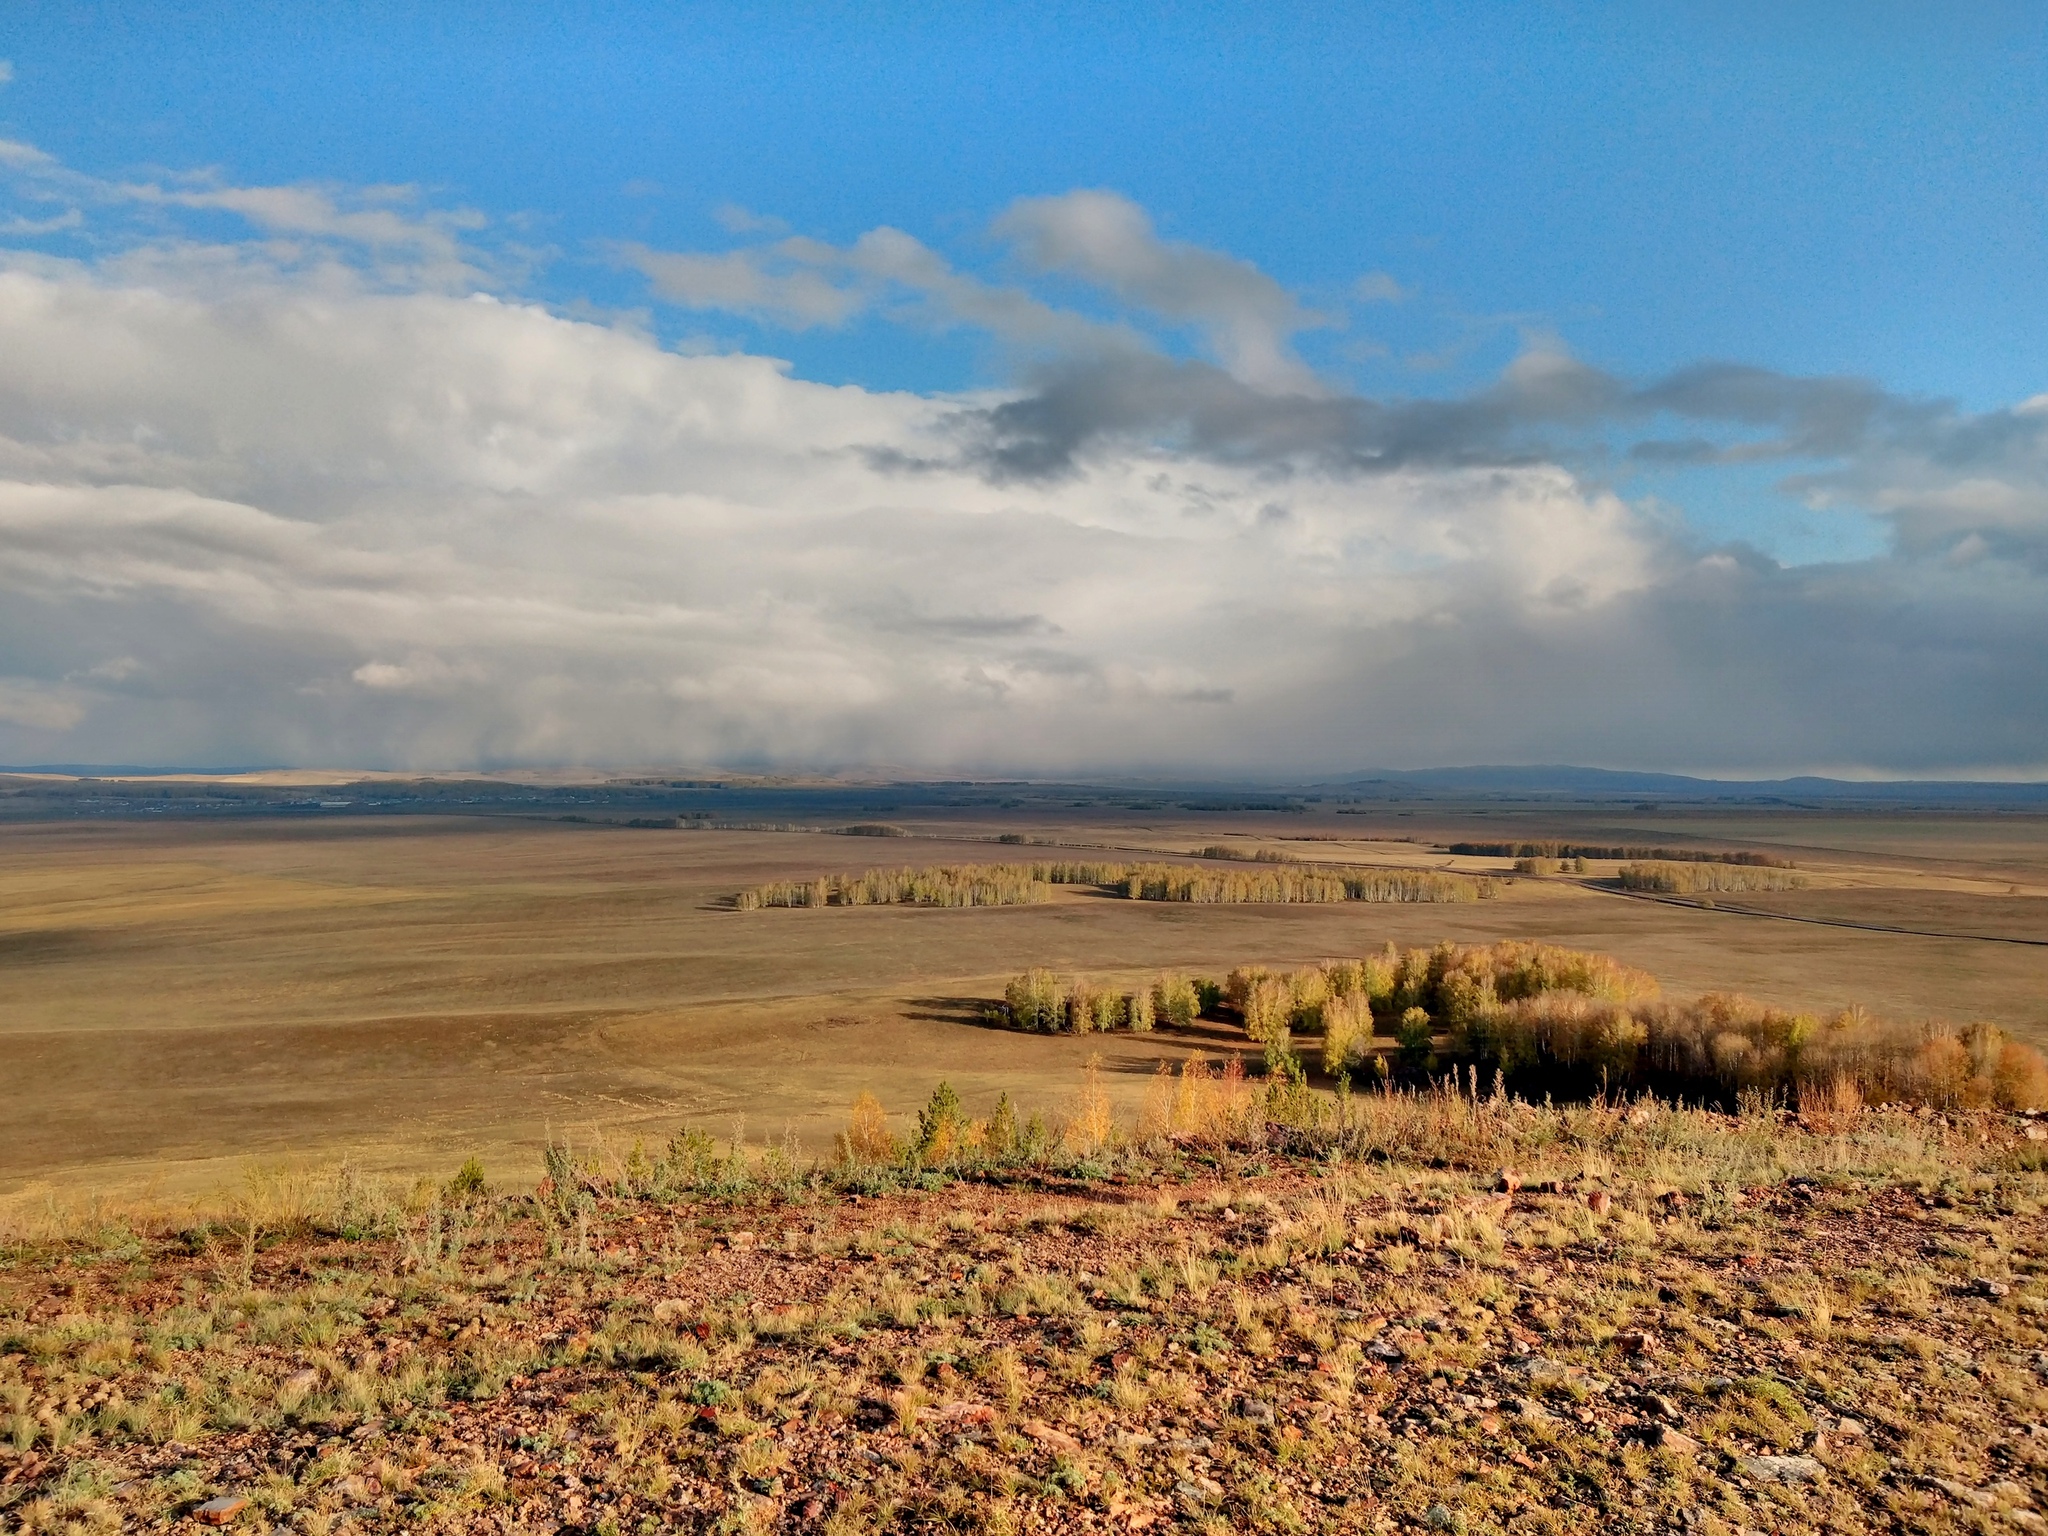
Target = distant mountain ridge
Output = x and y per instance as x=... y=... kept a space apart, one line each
x=1550 y=782
x=1564 y=780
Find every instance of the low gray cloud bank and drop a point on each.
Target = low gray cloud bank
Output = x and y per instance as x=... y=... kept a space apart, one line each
x=308 y=497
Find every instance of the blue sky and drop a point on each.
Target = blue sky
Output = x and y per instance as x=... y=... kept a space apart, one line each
x=1844 y=190
x=1856 y=189
x=1422 y=194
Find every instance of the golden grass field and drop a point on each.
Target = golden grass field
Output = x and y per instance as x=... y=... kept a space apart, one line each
x=178 y=1001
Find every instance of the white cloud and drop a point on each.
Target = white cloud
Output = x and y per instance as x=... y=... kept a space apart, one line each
x=304 y=497
x=745 y=283
x=1245 y=317
x=381 y=233
x=70 y=218
x=800 y=282
x=1106 y=239
x=579 y=545
x=6 y=72
x=736 y=220
x=1381 y=288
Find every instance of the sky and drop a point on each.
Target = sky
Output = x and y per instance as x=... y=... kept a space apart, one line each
x=955 y=388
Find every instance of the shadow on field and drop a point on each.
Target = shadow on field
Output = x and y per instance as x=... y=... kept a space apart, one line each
x=954 y=1010
x=47 y=944
x=1217 y=1044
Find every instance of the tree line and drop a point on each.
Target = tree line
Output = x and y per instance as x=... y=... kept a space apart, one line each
x=1558 y=850
x=1545 y=1019
x=1009 y=885
x=1698 y=879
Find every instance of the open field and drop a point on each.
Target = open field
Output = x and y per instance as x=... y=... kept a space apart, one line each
x=1434 y=1313
x=181 y=998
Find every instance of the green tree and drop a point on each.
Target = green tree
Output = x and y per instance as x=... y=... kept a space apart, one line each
x=1416 y=1040
x=1001 y=1135
x=938 y=1125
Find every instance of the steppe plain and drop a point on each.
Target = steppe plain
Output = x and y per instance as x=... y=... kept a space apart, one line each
x=183 y=999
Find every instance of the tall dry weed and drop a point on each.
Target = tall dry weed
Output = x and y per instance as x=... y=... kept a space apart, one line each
x=1093 y=1123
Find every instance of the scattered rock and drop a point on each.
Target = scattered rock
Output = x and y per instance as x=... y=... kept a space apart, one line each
x=220 y=1510
x=966 y=1413
x=1779 y=1469
x=1634 y=1341
x=2012 y=1491
x=1508 y=1182
x=1666 y=1437
x=1658 y=1406
x=1976 y=1498
x=299 y=1383
x=1537 y=1370
x=1385 y=1350
x=1441 y=1517
x=1984 y=1285
x=1256 y=1412
x=1599 y=1202
x=1052 y=1439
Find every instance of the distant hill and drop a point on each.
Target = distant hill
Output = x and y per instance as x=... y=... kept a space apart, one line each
x=1565 y=782
x=103 y=789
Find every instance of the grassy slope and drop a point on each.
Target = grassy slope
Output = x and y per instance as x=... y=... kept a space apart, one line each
x=1212 y=1337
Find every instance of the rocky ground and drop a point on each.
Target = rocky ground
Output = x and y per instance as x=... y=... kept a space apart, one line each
x=1843 y=1329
